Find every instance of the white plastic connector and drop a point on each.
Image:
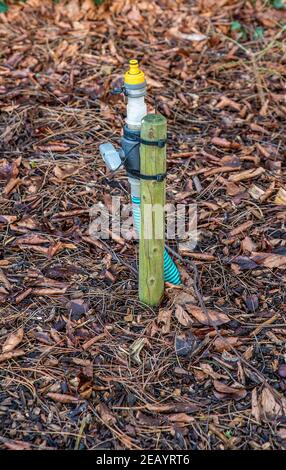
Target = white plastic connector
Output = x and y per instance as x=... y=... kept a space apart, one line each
x=110 y=156
x=136 y=107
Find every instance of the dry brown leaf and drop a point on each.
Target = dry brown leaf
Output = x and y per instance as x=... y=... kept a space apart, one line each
x=246 y=175
x=11 y=355
x=17 y=445
x=164 y=317
x=153 y=83
x=92 y=341
x=63 y=398
x=255 y=408
x=29 y=223
x=208 y=370
x=225 y=391
x=210 y=317
x=10 y=186
x=13 y=340
x=226 y=344
x=55 y=147
x=197 y=37
x=247 y=245
x=232 y=189
x=221 y=142
x=182 y=316
x=269 y=260
x=31 y=239
x=256 y=192
x=105 y=414
x=282 y=433
x=173 y=407
x=65 y=172
x=5 y=281
x=241 y=228
x=270 y=406
x=7 y=219
x=198 y=256
x=280 y=198
x=182 y=418
x=49 y=292
x=227 y=102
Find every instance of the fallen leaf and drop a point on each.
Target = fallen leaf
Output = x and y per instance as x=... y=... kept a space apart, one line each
x=223 y=391
x=280 y=198
x=31 y=239
x=252 y=303
x=226 y=344
x=185 y=345
x=182 y=316
x=247 y=245
x=221 y=142
x=270 y=406
x=11 y=355
x=43 y=337
x=66 y=171
x=182 y=298
x=153 y=83
x=11 y=185
x=208 y=370
x=5 y=281
x=232 y=189
x=255 y=408
x=105 y=414
x=62 y=272
x=269 y=260
x=173 y=407
x=7 y=219
x=49 y=292
x=92 y=341
x=244 y=262
x=256 y=192
x=282 y=370
x=17 y=445
x=23 y=295
x=246 y=175
x=13 y=340
x=55 y=147
x=189 y=37
x=77 y=308
x=210 y=317
x=282 y=433
x=136 y=348
x=227 y=102
x=62 y=398
x=182 y=418
x=241 y=228
x=164 y=317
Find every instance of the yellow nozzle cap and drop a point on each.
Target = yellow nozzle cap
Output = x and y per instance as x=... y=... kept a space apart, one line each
x=134 y=76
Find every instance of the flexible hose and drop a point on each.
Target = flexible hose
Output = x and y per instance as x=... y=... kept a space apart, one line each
x=171 y=272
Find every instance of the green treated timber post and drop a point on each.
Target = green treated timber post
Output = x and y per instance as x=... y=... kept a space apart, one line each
x=153 y=195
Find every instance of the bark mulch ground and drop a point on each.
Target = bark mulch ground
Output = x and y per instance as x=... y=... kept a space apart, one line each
x=83 y=364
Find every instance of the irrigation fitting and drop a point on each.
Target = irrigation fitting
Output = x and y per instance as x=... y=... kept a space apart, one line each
x=134 y=88
x=128 y=155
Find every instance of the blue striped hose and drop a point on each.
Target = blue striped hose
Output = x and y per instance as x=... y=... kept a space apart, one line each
x=171 y=272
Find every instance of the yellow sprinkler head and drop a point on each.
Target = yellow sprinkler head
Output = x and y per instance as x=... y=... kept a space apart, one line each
x=134 y=76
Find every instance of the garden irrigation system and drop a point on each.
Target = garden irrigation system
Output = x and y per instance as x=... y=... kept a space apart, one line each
x=143 y=154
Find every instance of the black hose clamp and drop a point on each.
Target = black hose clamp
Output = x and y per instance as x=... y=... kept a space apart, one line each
x=159 y=177
x=132 y=136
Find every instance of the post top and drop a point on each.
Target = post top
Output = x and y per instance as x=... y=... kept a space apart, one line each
x=154 y=118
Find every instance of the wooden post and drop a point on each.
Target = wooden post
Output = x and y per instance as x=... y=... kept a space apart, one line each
x=152 y=194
